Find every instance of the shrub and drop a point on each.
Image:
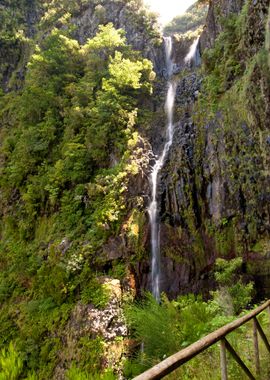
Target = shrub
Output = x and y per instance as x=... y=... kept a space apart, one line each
x=233 y=295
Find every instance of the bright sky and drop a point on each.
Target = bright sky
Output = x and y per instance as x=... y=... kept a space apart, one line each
x=168 y=9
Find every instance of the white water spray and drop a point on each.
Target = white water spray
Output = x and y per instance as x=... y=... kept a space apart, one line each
x=194 y=54
x=153 y=208
x=168 y=55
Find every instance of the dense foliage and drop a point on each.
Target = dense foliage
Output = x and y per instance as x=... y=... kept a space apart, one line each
x=71 y=148
x=65 y=165
x=164 y=329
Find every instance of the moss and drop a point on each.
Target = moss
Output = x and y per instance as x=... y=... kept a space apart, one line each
x=96 y=294
x=259 y=268
x=175 y=255
x=119 y=270
x=198 y=247
x=262 y=247
x=91 y=354
x=267 y=39
x=235 y=88
x=135 y=229
x=225 y=240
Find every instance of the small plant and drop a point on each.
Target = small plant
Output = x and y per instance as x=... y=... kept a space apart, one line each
x=95 y=293
x=11 y=365
x=233 y=295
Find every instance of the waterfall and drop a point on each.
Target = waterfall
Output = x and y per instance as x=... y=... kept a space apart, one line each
x=153 y=208
x=168 y=54
x=194 y=54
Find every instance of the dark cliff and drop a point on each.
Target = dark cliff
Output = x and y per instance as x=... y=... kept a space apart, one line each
x=214 y=189
x=75 y=168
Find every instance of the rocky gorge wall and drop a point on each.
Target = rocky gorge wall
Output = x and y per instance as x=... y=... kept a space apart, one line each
x=214 y=188
x=18 y=27
x=36 y=19
x=214 y=198
x=213 y=191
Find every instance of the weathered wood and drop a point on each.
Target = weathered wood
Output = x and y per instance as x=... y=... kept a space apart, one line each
x=175 y=361
x=223 y=361
x=256 y=347
x=238 y=360
x=262 y=334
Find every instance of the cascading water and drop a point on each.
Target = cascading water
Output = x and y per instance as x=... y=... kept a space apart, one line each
x=153 y=208
x=194 y=54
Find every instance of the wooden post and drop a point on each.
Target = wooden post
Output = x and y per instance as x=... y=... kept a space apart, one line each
x=269 y=314
x=256 y=347
x=238 y=360
x=262 y=334
x=268 y=309
x=223 y=360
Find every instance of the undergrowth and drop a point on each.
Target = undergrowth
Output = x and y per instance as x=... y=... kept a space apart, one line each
x=163 y=329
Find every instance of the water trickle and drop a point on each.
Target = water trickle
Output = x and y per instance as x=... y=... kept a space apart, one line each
x=153 y=208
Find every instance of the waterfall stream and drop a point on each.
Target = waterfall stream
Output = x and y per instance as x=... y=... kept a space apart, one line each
x=194 y=54
x=153 y=208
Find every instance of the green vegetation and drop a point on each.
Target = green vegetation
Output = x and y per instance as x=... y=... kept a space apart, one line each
x=65 y=169
x=10 y=364
x=189 y=24
x=71 y=149
x=75 y=374
x=14 y=40
x=232 y=103
x=24 y=23
x=163 y=329
x=232 y=295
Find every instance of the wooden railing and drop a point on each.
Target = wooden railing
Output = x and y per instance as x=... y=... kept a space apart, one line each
x=177 y=360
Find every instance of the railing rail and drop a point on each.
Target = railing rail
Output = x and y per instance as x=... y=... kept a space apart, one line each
x=177 y=360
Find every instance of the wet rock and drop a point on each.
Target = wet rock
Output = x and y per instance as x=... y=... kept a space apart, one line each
x=215 y=182
x=107 y=323
x=113 y=249
x=188 y=89
x=64 y=245
x=218 y=9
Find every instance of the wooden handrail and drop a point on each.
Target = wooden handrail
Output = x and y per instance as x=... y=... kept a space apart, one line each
x=175 y=361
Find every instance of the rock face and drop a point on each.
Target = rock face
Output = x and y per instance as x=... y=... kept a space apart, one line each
x=141 y=30
x=126 y=15
x=14 y=52
x=15 y=47
x=214 y=188
x=106 y=325
x=215 y=192
x=218 y=9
